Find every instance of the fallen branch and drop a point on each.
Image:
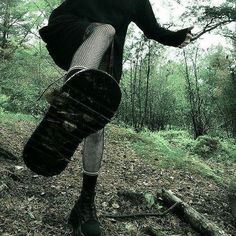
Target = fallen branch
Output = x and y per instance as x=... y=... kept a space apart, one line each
x=153 y=232
x=141 y=214
x=196 y=220
x=6 y=172
x=7 y=155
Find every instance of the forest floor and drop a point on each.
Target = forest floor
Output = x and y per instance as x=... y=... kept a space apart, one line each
x=39 y=206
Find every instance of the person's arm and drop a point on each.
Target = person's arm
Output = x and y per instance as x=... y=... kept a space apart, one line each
x=145 y=19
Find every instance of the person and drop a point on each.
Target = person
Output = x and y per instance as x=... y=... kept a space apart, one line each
x=91 y=34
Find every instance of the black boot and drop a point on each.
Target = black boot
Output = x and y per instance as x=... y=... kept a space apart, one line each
x=83 y=217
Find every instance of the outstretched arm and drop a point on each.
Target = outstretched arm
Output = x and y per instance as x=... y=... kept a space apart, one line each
x=145 y=19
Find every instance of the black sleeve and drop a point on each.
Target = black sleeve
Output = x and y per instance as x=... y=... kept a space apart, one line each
x=144 y=18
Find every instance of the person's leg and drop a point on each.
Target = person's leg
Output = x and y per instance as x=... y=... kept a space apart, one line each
x=83 y=216
x=93 y=152
x=90 y=55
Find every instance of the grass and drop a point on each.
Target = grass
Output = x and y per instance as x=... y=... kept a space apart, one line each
x=165 y=149
x=6 y=117
x=11 y=120
x=177 y=149
x=171 y=155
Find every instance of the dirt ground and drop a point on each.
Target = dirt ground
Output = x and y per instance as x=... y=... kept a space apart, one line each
x=39 y=206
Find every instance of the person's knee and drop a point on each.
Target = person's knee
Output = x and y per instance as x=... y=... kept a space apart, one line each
x=107 y=30
x=110 y=30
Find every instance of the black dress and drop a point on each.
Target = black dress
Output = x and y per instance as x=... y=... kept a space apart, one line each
x=68 y=22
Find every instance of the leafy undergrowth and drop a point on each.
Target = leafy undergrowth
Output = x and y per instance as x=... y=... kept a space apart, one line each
x=145 y=163
x=206 y=156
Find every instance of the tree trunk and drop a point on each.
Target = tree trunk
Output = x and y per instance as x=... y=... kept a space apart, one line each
x=5 y=24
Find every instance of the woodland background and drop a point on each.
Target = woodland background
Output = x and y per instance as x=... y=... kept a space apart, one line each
x=175 y=128
x=191 y=89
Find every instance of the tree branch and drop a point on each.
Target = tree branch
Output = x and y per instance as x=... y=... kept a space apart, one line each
x=206 y=29
x=142 y=214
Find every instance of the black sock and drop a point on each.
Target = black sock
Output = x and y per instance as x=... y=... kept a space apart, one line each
x=89 y=183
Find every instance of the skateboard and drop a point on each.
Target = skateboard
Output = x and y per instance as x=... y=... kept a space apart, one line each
x=86 y=102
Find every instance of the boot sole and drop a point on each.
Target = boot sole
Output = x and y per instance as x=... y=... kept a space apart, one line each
x=87 y=102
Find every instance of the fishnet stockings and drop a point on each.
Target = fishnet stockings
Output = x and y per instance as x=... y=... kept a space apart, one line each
x=90 y=53
x=98 y=38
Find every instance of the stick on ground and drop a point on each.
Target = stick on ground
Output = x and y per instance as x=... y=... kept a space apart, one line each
x=194 y=218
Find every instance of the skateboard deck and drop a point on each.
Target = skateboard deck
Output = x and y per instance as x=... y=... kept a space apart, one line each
x=86 y=103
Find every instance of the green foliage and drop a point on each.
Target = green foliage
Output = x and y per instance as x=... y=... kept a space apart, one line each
x=154 y=87
x=19 y=20
x=23 y=79
x=177 y=149
x=211 y=15
x=148 y=92
x=228 y=150
x=3 y=101
x=179 y=139
x=206 y=146
x=26 y=69
x=222 y=95
x=225 y=11
x=11 y=118
x=199 y=99
x=150 y=199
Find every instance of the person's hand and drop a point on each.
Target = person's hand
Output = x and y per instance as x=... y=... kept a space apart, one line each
x=188 y=38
